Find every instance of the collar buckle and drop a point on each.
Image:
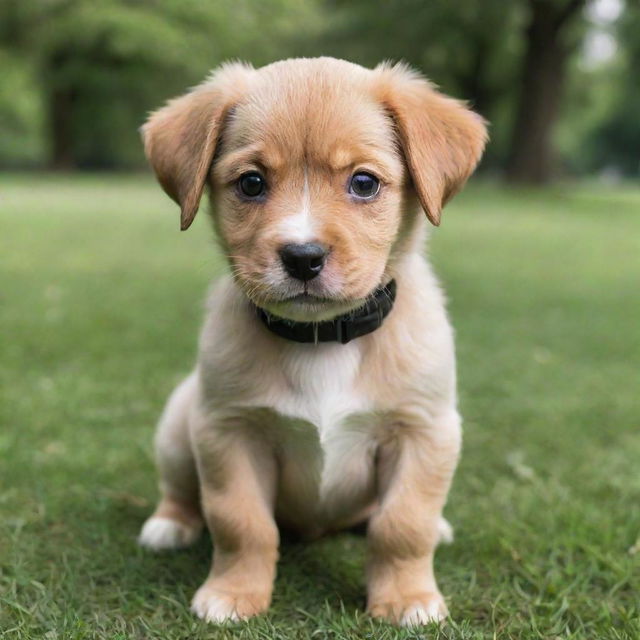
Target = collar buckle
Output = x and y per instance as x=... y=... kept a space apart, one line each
x=344 y=331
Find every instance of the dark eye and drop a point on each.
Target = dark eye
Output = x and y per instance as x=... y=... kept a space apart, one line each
x=364 y=185
x=252 y=184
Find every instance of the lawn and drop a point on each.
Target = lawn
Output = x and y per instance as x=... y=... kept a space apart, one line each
x=100 y=304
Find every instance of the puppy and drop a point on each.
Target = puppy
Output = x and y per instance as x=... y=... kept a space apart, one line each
x=324 y=392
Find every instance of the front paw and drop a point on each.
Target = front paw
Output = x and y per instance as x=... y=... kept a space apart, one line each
x=411 y=611
x=213 y=603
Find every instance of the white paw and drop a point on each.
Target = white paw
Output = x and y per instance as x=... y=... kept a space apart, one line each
x=445 y=531
x=424 y=613
x=413 y=611
x=163 y=533
x=214 y=608
x=213 y=602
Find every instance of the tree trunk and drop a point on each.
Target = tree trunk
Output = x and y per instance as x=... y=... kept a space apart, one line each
x=475 y=84
x=60 y=106
x=531 y=158
x=60 y=102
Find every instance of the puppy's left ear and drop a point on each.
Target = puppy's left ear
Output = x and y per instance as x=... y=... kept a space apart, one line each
x=441 y=138
x=180 y=138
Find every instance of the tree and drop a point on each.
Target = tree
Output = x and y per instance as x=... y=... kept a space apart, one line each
x=548 y=45
x=503 y=57
x=469 y=48
x=103 y=65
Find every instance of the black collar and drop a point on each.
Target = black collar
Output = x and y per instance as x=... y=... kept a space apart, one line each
x=341 y=329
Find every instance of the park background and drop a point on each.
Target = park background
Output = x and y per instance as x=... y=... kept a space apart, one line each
x=101 y=300
x=557 y=79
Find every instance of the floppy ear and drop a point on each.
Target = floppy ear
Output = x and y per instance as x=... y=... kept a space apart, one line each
x=441 y=138
x=180 y=138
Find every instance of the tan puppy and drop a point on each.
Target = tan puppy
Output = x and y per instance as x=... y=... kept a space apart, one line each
x=317 y=169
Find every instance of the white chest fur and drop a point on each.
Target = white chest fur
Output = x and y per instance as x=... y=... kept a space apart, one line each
x=325 y=432
x=320 y=384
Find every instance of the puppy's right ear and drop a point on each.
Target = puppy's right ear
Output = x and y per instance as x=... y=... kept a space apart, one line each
x=180 y=138
x=441 y=138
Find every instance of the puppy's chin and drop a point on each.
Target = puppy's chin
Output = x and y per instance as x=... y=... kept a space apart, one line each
x=308 y=308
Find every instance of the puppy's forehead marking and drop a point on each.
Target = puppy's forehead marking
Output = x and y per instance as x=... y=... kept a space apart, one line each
x=299 y=227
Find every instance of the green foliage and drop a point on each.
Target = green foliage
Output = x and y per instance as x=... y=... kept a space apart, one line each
x=110 y=62
x=79 y=76
x=21 y=113
x=101 y=304
x=470 y=49
x=616 y=139
x=474 y=49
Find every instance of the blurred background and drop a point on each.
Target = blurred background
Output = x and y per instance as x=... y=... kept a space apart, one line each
x=557 y=79
x=101 y=300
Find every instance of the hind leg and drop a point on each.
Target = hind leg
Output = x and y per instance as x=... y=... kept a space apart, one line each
x=177 y=521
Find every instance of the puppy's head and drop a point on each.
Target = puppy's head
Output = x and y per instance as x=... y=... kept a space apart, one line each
x=311 y=163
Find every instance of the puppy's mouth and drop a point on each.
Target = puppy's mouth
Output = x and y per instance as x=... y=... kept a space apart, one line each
x=308 y=298
x=309 y=307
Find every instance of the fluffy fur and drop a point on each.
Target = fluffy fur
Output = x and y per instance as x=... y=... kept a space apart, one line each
x=267 y=432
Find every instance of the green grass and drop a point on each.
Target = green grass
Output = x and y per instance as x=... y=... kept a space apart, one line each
x=101 y=300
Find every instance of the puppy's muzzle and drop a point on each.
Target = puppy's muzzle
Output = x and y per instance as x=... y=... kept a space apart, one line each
x=303 y=261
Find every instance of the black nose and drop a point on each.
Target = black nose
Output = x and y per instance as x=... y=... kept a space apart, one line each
x=303 y=261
